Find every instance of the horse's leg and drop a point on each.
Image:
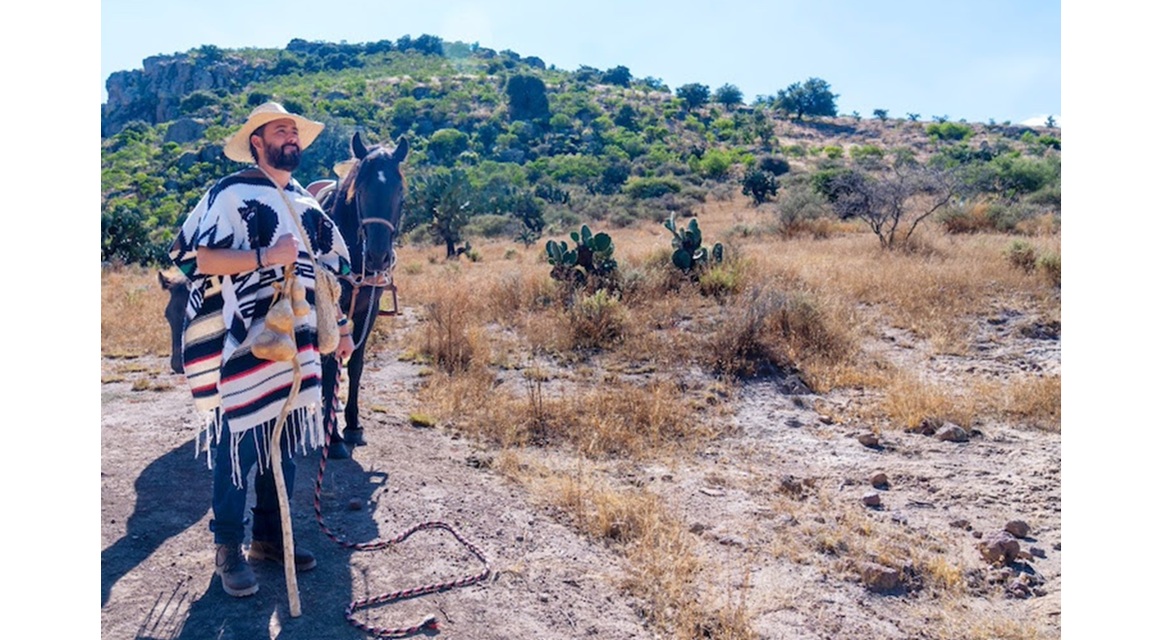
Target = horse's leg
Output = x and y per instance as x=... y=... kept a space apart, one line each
x=364 y=316
x=337 y=449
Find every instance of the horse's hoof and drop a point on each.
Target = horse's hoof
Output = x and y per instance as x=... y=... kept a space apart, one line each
x=338 y=450
x=355 y=437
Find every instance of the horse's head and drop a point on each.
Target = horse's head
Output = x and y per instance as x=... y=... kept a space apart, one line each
x=177 y=288
x=372 y=202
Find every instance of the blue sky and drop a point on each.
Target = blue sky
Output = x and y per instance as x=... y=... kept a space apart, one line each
x=977 y=60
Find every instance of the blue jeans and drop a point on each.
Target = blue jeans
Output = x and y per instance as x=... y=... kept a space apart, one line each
x=228 y=499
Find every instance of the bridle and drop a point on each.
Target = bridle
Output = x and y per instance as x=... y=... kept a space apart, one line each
x=376 y=281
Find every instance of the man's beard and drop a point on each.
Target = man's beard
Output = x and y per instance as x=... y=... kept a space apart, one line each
x=284 y=160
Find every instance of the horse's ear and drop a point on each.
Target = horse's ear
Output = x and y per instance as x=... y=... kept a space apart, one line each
x=358 y=148
x=401 y=151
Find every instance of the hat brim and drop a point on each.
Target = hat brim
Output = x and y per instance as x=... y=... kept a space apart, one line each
x=237 y=146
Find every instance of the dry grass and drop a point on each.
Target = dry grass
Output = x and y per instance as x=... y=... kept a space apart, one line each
x=910 y=399
x=132 y=313
x=663 y=568
x=1036 y=402
x=635 y=420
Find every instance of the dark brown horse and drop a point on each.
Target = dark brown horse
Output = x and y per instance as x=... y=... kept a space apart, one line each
x=367 y=206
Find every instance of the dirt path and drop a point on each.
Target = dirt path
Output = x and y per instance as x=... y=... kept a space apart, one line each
x=157 y=577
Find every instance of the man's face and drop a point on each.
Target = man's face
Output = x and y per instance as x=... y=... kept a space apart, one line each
x=280 y=144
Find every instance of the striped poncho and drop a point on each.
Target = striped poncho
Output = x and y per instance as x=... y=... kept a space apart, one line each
x=226 y=313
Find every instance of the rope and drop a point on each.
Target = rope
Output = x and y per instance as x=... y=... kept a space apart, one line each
x=429 y=622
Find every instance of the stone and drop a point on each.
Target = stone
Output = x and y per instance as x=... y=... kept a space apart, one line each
x=879 y=480
x=1000 y=548
x=928 y=426
x=185 y=130
x=878 y=578
x=952 y=433
x=791 y=485
x=1017 y=528
x=871 y=499
x=868 y=439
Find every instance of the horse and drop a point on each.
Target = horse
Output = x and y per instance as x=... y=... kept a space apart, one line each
x=366 y=204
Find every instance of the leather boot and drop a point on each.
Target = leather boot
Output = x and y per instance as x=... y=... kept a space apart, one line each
x=274 y=551
x=235 y=573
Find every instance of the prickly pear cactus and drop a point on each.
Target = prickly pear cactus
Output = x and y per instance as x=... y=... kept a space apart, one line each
x=689 y=253
x=589 y=261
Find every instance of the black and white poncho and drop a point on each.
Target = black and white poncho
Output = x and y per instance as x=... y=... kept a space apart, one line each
x=226 y=313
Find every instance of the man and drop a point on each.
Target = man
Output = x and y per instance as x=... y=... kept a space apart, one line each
x=234 y=247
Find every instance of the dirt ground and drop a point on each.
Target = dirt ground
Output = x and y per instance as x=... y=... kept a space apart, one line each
x=547 y=580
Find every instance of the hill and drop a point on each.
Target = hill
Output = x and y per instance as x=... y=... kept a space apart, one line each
x=537 y=147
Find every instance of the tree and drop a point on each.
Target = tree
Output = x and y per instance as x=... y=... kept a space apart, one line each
x=881 y=114
x=906 y=192
x=618 y=75
x=760 y=185
x=812 y=98
x=693 y=94
x=442 y=199
x=527 y=98
x=729 y=95
x=446 y=145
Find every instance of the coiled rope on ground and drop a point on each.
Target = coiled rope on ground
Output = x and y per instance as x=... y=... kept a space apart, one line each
x=429 y=622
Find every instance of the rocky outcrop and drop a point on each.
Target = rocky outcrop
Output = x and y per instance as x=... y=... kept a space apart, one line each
x=185 y=130
x=153 y=94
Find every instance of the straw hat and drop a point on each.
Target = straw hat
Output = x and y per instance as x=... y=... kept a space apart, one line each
x=237 y=147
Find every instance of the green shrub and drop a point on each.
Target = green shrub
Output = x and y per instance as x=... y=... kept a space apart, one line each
x=721 y=279
x=491 y=226
x=1021 y=255
x=1049 y=264
x=775 y=165
x=797 y=209
x=865 y=152
x=640 y=188
x=759 y=185
x=949 y=131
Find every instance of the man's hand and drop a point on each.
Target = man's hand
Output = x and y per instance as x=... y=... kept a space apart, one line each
x=345 y=348
x=283 y=252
